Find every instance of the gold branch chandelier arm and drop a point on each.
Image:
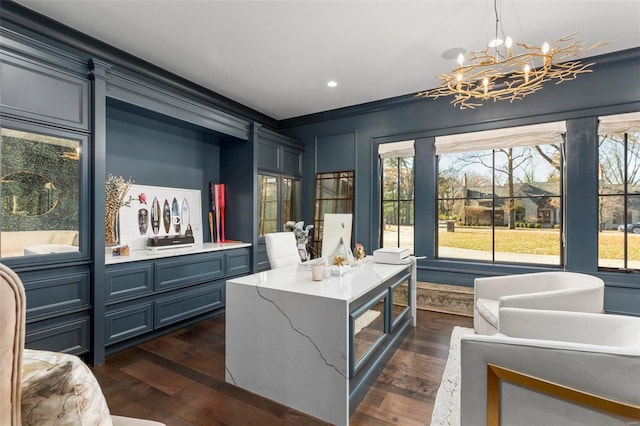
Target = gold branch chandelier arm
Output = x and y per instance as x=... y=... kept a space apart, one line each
x=504 y=74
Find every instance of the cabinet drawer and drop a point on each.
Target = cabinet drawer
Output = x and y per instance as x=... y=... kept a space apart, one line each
x=60 y=335
x=189 y=270
x=128 y=281
x=124 y=322
x=48 y=296
x=238 y=262
x=186 y=304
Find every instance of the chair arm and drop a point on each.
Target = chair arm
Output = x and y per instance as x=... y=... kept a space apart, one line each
x=570 y=299
x=582 y=367
x=496 y=287
x=576 y=327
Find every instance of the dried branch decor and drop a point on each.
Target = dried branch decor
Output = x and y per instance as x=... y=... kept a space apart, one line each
x=116 y=188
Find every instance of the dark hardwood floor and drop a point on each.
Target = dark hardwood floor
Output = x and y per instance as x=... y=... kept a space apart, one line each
x=178 y=379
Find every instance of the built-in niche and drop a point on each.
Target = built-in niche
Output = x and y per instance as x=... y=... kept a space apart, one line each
x=40 y=193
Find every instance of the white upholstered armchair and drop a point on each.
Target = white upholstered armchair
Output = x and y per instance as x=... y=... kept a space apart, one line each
x=552 y=368
x=42 y=387
x=558 y=290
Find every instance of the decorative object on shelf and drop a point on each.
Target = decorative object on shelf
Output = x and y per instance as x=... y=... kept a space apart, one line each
x=155 y=216
x=302 y=237
x=177 y=209
x=115 y=190
x=185 y=218
x=166 y=216
x=504 y=72
x=217 y=194
x=175 y=215
x=359 y=253
x=122 y=250
x=338 y=260
x=143 y=221
x=341 y=270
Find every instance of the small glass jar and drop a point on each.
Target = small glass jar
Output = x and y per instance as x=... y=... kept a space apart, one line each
x=327 y=267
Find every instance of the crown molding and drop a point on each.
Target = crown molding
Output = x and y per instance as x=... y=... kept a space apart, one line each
x=44 y=26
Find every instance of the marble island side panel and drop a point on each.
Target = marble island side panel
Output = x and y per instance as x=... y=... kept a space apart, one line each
x=289 y=346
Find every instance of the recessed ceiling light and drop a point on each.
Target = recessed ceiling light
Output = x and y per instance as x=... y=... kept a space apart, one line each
x=332 y=83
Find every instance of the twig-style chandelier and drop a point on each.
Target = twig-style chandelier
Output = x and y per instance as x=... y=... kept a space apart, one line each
x=505 y=72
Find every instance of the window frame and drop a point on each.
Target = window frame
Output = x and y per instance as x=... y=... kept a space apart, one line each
x=492 y=200
x=625 y=215
x=84 y=186
x=397 y=200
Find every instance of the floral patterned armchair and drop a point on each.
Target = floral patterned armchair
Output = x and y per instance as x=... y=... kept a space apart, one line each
x=42 y=387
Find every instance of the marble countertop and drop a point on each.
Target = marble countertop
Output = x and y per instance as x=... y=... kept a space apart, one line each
x=137 y=255
x=297 y=279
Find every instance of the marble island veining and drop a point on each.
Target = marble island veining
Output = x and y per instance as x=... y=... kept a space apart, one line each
x=288 y=338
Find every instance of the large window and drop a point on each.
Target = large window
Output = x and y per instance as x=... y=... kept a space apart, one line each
x=278 y=202
x=619 y=192
x=502 y=202
x=267 y=204
x=397 y=198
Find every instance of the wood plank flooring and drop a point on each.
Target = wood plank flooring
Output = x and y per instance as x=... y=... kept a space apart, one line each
x=178 y=379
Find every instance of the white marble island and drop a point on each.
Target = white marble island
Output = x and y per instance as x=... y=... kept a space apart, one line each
x=289 y=338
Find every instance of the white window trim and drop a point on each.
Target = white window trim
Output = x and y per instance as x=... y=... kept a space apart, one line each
x=537 y=134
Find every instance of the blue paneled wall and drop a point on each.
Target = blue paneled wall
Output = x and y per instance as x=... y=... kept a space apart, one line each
x=162 y=151
x=613 y=87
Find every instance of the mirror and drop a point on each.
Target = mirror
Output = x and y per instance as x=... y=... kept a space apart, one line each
x=39 y=192
x=28 y=194
x=333 y=194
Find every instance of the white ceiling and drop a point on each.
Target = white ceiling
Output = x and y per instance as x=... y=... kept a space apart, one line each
x=277 y=56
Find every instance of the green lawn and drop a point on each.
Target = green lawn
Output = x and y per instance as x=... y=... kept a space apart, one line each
x=535 y=241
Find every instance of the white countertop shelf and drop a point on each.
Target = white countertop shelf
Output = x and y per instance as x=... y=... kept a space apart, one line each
x=138 y=255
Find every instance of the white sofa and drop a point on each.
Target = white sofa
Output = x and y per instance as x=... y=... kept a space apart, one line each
x=594 y=354
x=20 y=243
x=558 y=290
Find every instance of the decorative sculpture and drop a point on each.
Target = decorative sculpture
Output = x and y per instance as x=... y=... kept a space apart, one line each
x=302 y=237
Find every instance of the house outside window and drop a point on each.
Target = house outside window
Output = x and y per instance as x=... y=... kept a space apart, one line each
x=619 y=192
x=397 y=198
x=500 y=195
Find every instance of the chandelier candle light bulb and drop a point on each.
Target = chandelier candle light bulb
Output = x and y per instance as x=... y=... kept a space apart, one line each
x=506 y=70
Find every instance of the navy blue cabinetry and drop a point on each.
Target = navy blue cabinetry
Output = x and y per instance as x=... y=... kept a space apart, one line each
x=150 y=297
x=58 y=309
x=185 y=270
x=279 y=183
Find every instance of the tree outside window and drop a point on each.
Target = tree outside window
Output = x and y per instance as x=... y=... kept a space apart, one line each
x=502 y=204
x=619 y=192
x=397 y=198
x=397 y=202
